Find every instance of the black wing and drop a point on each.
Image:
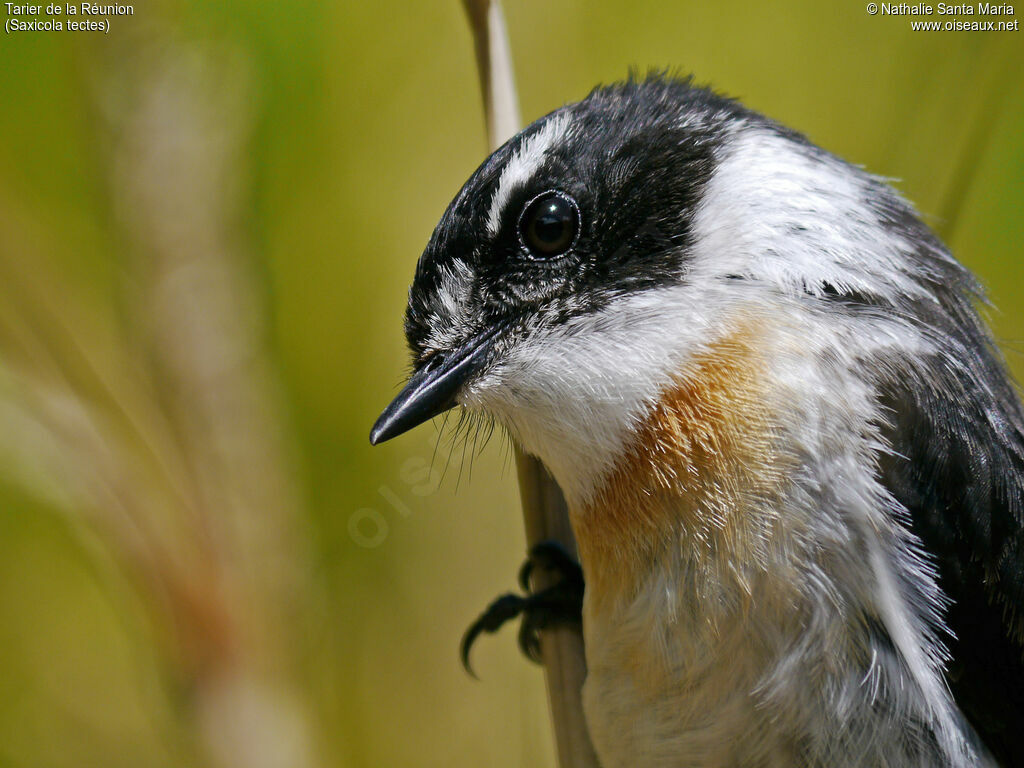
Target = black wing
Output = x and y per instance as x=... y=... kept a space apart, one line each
x=959 y=470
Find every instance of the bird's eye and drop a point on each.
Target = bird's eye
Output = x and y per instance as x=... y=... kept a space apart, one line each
x=549 y=225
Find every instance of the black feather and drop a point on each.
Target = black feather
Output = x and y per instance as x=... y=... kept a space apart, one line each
x=957 y=434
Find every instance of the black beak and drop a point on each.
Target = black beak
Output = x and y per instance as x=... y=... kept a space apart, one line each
x=433 y=388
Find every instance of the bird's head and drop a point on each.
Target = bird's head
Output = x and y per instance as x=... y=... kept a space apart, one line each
x=597 y=252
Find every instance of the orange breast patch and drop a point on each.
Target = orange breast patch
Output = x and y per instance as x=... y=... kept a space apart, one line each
x=702 y=460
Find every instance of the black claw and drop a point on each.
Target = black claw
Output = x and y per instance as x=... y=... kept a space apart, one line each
x=559 y=605
x=525 y=571
x=505 y=608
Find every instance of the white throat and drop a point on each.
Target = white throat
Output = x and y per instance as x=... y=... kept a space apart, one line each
x=574 y=394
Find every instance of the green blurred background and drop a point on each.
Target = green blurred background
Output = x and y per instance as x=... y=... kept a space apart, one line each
x=208 y=221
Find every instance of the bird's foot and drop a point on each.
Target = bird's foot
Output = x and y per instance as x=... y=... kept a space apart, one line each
x=561 y=604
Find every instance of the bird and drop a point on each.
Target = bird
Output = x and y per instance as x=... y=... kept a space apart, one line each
x=792 y=454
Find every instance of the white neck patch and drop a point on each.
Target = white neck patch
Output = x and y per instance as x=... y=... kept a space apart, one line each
x=776 y=211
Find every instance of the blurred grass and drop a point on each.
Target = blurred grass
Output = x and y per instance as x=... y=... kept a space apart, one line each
x=364 y=122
